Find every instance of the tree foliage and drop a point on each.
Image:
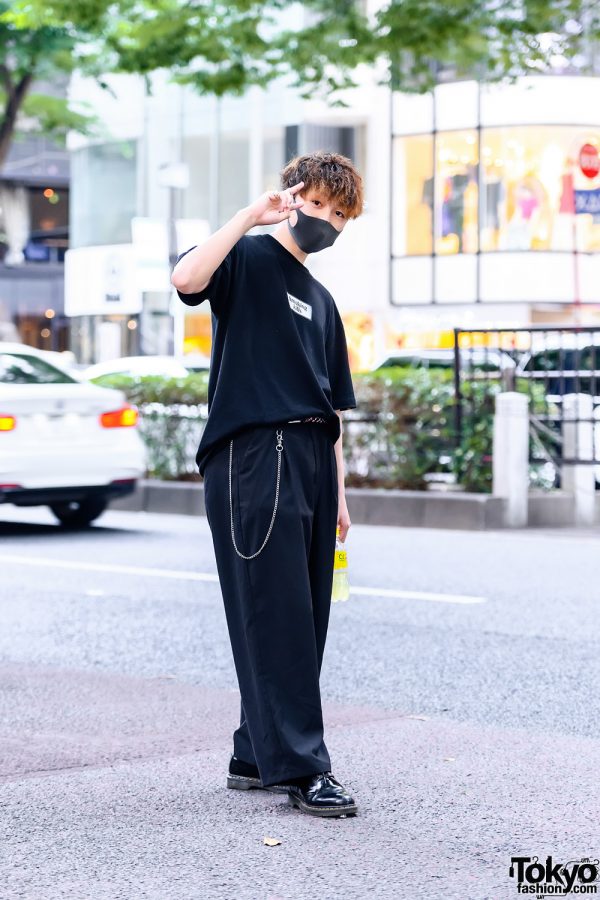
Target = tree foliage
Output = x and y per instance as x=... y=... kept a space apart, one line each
x=223 y=47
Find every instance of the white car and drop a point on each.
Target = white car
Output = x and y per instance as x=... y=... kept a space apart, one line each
x=138 y=367
x=64 y=443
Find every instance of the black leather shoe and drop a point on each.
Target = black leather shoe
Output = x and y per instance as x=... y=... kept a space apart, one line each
x=244 y=777
x=321 y=795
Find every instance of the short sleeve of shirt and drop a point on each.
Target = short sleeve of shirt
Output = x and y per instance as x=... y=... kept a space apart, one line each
x=338 y=366
x=217 y=289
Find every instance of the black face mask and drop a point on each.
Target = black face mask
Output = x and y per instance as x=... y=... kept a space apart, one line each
x=312 y=234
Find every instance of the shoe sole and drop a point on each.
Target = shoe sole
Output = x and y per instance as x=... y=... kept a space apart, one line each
x=323 y=811
x=245 y=783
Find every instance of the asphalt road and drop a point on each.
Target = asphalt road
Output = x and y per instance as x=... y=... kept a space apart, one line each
x=461 y=698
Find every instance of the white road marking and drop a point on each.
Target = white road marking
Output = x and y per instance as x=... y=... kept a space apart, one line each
x=179 y=574
x=184 y=575
x=464 y=599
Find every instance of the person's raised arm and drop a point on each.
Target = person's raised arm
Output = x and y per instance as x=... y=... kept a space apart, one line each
x=194 y=271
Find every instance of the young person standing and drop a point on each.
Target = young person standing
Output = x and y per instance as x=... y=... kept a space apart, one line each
x=271 y=457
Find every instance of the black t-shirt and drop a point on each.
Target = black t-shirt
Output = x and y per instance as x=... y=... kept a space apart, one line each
x=279 y=349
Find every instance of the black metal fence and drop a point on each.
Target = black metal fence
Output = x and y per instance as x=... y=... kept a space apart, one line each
x=548 y=364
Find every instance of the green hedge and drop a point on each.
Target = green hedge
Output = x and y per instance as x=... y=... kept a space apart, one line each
x=172 y=416
x=401 y=435
x=412 y=421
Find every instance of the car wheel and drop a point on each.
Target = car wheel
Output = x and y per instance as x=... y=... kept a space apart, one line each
x=79 y=513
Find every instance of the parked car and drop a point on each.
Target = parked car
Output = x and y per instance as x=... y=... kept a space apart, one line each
x=142 y=366
x=563 y=369
x=64 y=443
x=478 y=359
x=64 y=359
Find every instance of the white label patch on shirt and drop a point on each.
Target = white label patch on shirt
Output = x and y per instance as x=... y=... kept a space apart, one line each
x=303 y=309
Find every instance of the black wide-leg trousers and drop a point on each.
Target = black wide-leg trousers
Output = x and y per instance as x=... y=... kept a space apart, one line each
x=277 y=604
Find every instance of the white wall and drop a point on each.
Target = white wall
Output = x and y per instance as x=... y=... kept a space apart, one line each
x=536 y=100
x=357 y=268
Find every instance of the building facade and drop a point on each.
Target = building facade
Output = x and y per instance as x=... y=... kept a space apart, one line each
x=496 y=204
x=483 y=206
x=231 y=150
x=34 y=236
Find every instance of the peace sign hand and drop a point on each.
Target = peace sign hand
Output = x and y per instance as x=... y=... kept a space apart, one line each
x=273 y=207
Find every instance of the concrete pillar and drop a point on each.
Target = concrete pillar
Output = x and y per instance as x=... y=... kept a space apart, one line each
x=578 y=443
x=510 y=463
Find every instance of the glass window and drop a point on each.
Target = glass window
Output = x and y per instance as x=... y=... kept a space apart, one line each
x=197 y=337
x=234 y=173
x=49 y=209
x=539 y=191
x=453 y=194
x=49 y=221
x=196 y=197
x=412 y=202
x=103 y=194
x=273 y=161
x=456 y=192
x=16 y=369
x=535 y=194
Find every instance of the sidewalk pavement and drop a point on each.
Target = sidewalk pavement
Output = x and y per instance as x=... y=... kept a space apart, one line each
x=114 y=787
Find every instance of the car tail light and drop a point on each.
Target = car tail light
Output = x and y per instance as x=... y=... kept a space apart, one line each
x=7 y=423
x=119 y=418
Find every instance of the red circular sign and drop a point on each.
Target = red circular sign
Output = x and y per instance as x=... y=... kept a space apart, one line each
x=589 y=161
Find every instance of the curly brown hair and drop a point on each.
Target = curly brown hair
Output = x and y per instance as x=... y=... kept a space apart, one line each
x=333 y=173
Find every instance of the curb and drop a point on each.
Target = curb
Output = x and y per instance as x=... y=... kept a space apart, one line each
x=377 y=506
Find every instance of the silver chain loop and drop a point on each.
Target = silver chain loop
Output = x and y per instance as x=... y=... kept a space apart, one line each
x=279 y=448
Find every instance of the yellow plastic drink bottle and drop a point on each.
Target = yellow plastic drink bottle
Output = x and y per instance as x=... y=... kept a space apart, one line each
x=340 y=589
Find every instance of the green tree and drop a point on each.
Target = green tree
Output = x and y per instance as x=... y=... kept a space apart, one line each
x=214 y=46
x=414 y=39
x=223 y=47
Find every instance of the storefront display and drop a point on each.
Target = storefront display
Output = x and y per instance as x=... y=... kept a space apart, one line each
x=540 y=190
x=413 y=196
x=360 y=338
x=197 y=334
